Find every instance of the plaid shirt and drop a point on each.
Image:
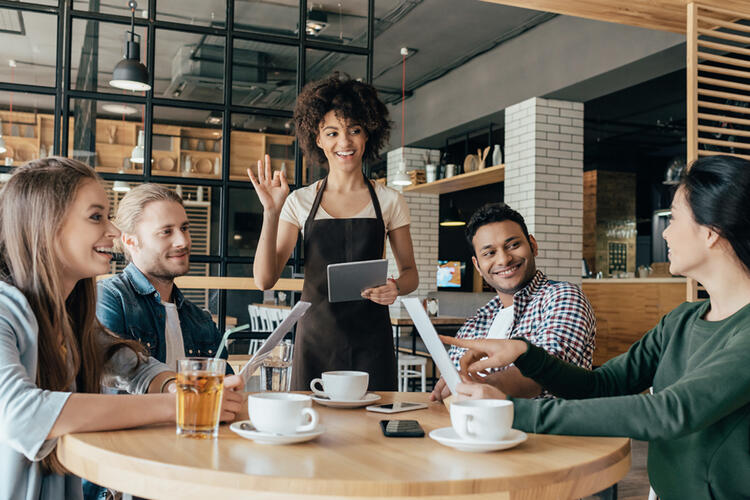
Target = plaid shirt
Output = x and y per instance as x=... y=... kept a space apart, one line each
x=554 y=315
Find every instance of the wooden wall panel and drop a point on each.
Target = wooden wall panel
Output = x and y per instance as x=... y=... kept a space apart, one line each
x=626 y=309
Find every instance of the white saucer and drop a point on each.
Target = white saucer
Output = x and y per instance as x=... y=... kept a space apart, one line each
x=369 y=398
x=245 y=429
x=448 y=437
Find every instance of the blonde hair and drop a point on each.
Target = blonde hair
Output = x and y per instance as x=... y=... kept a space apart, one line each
x=33 y=204
x=131 y=207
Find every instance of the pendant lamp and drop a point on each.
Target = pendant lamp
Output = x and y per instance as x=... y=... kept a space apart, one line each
x=130 y=73
x=402 y=178
x=452 y=217
x=137 y=155
x=3 y=149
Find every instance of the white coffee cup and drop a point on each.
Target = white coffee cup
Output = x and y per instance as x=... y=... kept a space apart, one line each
x=482 y=419
x=341 y=385
x=282 y=413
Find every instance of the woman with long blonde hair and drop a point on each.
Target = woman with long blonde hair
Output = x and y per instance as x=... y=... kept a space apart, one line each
x=55 y=237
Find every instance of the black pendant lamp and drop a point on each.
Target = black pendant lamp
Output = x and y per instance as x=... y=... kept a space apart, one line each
x=452 y=217
x=130 y=74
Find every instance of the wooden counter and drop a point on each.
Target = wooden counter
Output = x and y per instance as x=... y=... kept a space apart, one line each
x=627 y=308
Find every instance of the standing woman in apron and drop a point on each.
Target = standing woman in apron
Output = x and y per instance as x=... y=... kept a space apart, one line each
x=343 y=218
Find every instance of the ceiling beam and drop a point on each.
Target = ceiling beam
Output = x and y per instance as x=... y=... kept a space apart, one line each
x=663 y=15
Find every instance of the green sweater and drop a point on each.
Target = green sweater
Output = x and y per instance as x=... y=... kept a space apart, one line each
x=698 y=419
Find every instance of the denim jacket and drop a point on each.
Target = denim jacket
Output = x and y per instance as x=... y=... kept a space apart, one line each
x=129 y=305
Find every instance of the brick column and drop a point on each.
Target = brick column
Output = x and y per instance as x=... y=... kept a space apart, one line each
x=425 y=214
x=544 y=179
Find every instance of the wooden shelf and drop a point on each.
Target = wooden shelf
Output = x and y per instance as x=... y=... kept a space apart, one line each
x=489 y=175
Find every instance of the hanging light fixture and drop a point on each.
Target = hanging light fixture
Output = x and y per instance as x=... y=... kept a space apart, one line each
x=452 y=217
x=402 y=178
x=130 y=73
x=137 y=155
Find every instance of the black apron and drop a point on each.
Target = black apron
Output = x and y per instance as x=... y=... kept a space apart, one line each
x=353 y=335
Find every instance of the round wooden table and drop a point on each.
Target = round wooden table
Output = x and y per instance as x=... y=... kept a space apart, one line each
x=352 y=459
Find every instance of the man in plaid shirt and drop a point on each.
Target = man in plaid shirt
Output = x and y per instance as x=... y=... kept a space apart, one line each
x=554 y=315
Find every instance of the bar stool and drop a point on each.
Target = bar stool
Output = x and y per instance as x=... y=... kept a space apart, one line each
x=411 y=367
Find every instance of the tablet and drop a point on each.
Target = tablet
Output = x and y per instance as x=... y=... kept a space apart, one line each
x=432 y=342
x=347 y=280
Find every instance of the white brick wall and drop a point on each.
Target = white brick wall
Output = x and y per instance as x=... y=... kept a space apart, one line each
x=544 y=179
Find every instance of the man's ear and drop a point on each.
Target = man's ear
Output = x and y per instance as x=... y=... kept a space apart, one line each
x=474 y=260
x=534 y=245
x=129 y=241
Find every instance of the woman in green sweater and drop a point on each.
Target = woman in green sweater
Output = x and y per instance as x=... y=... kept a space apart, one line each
x=697 y=359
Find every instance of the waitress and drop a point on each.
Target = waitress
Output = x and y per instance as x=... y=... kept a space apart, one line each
x=343 y=218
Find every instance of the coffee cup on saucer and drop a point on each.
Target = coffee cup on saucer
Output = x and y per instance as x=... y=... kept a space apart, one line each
x=282 y=413
x=482 y=419
x=341 y=385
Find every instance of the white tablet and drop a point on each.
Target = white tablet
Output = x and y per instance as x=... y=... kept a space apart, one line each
x=347 y=280
x=432 y=342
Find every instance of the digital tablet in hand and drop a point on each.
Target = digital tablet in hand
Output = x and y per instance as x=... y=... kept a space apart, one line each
x=347 y=280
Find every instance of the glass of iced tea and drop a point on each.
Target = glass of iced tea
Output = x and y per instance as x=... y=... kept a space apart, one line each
x=200 y=386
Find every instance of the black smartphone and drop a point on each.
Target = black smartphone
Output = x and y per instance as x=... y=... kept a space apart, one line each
x=401 y=428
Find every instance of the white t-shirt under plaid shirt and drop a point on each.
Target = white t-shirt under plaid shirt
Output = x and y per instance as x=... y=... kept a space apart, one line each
x=554 y=315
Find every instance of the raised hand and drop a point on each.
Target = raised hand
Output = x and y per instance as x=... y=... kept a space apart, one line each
x=486 y=353
x=272 y=188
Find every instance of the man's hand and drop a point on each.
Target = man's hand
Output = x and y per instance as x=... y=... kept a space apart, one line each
x=441 y=391
x=231 y=403
x=474 y=390
x=486 y=353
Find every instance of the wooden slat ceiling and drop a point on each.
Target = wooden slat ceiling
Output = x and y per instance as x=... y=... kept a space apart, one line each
x=665 y=15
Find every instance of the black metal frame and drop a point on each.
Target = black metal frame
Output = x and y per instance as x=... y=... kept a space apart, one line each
x=63 y=93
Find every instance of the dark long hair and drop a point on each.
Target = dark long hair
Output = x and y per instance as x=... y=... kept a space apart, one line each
x=717 y=188
x=72 y=344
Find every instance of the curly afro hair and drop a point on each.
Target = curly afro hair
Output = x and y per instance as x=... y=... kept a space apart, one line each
x=351 y=100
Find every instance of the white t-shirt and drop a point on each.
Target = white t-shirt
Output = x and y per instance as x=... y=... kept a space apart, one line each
x=173 y=336
x=500 y=328
x=395 y=211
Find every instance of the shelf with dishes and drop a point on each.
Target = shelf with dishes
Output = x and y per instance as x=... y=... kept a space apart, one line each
x=481 y=177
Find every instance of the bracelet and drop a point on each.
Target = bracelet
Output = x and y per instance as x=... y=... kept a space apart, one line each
x=398 y=288
x=166 y=383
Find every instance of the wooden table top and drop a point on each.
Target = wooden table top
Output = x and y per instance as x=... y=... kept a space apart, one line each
x=436 y=320
x=352 y=459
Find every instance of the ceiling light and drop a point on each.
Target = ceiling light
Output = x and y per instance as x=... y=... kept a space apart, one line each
x=214 y=118
x=137 y=155
x=401 y=178
x=317 y=21
x=120 y=109
x=452 y=217
x=130 y=73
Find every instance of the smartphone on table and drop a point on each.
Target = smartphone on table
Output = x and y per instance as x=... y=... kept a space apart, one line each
x=396 y=407
x=401 y=428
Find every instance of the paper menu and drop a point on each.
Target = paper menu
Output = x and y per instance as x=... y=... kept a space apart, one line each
x=432 y=342
x=273 y=340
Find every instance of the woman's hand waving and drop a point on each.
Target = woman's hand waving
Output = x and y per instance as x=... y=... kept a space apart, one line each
x=272 y=187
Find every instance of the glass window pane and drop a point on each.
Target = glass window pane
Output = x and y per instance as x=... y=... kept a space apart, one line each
x=343 y=22
x=97 y=47
x=254 y=136
x=42 y=2
x=264 y=75
x=110 y=144
x=29 y=42
x=189 y=66
x=321 y=63
x=244 y=222
x=261 y=16
x=118 y=7
x=205 y=298
x=203 y=13
x=27 y=130
x=187 y=142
